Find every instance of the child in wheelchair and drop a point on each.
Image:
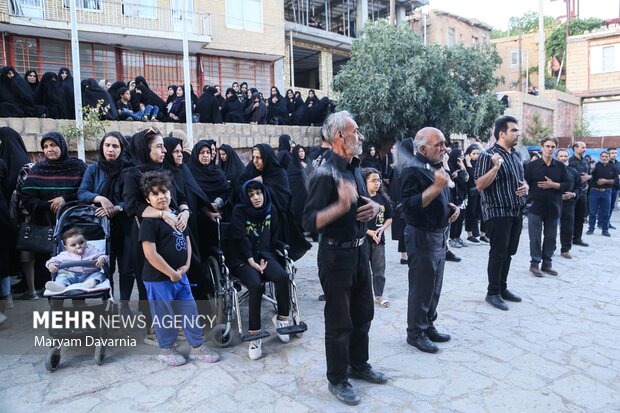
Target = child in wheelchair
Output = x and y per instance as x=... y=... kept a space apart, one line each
x=76 y=249
x=253 y=230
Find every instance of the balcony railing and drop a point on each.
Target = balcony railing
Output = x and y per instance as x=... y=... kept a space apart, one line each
x=126 y=14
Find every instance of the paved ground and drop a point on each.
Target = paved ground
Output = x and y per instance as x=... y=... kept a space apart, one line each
x=557 y=351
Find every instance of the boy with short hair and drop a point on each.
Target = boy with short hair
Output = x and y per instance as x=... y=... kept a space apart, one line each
x=125 y=111
x=167 y=255
x=76 y=249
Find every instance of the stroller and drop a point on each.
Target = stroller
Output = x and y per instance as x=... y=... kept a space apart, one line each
x=96 y=230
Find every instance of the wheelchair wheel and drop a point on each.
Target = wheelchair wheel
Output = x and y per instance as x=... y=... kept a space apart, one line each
x=218 y=336
x=52 y=360
x=99 y=355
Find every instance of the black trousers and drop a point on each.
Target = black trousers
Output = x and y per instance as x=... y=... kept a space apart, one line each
x=581 y=211
x=253 y=280
x=504 y=233
x=427 y=258
x=143 y=303
x=122 y=253
x=456 y=228
x=349 y=309
x=567 y=225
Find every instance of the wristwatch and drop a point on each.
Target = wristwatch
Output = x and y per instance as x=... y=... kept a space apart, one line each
x=120 y=208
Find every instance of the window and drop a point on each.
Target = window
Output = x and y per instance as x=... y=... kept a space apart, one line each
x=26 y=8
x=140 y=8
x=245 y=14
x=514 y=58
x=474 y=41
x=84 y=4
x=451 y=36
x=609 y=59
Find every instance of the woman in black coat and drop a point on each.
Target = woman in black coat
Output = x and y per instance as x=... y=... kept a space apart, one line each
x=94 y=96
x=50 y=184
x=372 y=159
x=231 y=165
x=208 y=107
x=177 y=109
x=51 y=95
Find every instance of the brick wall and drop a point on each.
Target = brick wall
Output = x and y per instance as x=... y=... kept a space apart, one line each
x=242 y=137
x=578 y=77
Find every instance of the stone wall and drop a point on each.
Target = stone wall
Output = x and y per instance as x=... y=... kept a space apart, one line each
x=242 y=137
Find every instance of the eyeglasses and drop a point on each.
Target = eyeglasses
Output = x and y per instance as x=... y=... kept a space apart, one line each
x=152 y=130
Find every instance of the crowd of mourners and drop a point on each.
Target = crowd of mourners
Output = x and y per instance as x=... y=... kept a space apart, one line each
x=52 y=96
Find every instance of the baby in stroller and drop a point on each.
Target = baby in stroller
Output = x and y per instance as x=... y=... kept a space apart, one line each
x=76 y=249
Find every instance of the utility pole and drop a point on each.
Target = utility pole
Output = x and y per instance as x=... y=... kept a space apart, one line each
x=393 y=12
x=187 y=80
x=77 y=76
x=541 y=47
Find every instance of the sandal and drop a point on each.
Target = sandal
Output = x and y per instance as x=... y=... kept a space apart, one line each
x=382 y=301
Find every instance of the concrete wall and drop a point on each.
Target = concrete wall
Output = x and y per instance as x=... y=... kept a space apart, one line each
x=242 y=137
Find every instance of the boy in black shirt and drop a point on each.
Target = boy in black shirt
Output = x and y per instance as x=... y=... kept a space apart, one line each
x=125 y=112
x=167 y=255
x=375 y=233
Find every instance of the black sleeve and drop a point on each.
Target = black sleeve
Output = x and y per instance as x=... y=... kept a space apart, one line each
x=565 y=183
x=579 y=185
x=148 y=230
x=388 y=208
x=238 y=235
x=132 y=195
x=319 y=197
x=411 y=189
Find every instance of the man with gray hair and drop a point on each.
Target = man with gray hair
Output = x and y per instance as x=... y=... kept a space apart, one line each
x=428 y=212
x=338 y=208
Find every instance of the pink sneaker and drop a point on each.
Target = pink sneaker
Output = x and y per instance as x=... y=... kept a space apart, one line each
x=172 y=357
x=204 y=354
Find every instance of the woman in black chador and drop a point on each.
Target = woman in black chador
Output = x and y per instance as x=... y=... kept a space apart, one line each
x=277 y=113
x=150 y=98
x=232 y=111
x=66 y=83
x=16 y=96
x=32 y=78
x=95 y=96
x=207 y=107
x=51 y=95
x=372 y=159
x=298 y=172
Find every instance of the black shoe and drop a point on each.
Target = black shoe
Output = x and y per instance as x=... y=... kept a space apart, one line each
x=496 y=301
x=322 y=297
x=422 y=343
x=435 y=336
x=599 y=226
x=403 y=261
x=580 y=243
x=485 y=239
x=508 y=296
x=606 y=234
x=370 y=375
x=345 y=393
x=451 y=257
x=611 y=227
x=549 y=270
x=590 y=232
x=473 y=240
x=535 y=270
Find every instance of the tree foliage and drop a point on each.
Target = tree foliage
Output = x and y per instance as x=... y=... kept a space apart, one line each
x=394 y=85
x=536 y=131
x=528 y=23
x=555 y=44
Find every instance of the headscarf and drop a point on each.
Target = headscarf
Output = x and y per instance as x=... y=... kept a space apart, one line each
x=113 y=169
x=14 y=154
x=92 y=93
x=210 y=178
x=254 y=214
x=32 y=85
x=183 y=176
x=233 y=167
x=178 y=102
x=453 y=158
x=172 y=97
x=65 y=165
x=16 y=96
x=284 y=150
x=51 y=95
x=113 y=90
x=148 y=96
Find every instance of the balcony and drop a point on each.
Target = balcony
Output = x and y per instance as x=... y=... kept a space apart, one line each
x=136 y=23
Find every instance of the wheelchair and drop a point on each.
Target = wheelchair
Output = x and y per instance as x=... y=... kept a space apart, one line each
x=229 y=294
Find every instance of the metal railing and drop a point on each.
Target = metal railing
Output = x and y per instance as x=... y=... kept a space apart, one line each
x=126 y=14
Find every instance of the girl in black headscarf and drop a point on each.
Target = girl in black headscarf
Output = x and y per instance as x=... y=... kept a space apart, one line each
x=298 y=172
x=149 y=97
x=172 y=95
x=256 y=110
x=372 y=159
x=148 y=150
x=102 y=185
x=458 y=194
x=284 y=150
x=298 y=112
x=232 y=111
x=266 y=167
x=177 y=109
x=312 y=103
x=50 y=184
x=277 y=113
x=94 y=96
x=231 y=165
x=16 y=96
x=51 y=95
x=404 y=153
x=210 y=177
x=136 y=96
x=66 y=83
x=32 y=78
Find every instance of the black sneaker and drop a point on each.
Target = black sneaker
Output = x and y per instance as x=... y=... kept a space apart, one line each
x=473 y=240
x=345 y=392
x=403 y=261
x=485 y=239
x=611 y=227
x=590 y=232
x=451 y=257
x=322 y=297
x=370 y=375
x=606 y=234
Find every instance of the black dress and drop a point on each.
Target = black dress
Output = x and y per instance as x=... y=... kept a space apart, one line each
x=51 y=95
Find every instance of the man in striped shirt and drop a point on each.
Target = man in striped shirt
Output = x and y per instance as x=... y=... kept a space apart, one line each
x=503 y=190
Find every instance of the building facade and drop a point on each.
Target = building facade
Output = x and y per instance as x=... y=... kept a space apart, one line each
x=593 y=73
x=449 y=29
x=519 y=73
x=229 y=40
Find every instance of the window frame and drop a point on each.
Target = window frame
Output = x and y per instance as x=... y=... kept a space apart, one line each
x=605 y=69
x=244 y=24
x=131 y=3
x=67 y=4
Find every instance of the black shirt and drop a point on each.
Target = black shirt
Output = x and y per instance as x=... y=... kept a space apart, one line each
x=414 y=181
x=576 y=185
x=546 y=201
x=252 y=239
x=580 y=164
x=604 y=172
x=120 y=105
x=617 y=166
x=170 y=244
x=385 y=213
x=323 y=191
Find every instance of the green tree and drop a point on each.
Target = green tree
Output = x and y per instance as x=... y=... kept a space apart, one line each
x=394 y=85
x=535 y=131
x=581 y=128
x=528 y=23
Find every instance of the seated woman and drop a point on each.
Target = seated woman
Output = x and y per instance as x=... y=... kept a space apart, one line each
x=102 y=185
x=32 y=78
x=17 y=97
x=51 y=95
x=232 y=111
x=253 y=232
x=96 y=97
x=177 y=110
x=50 y=184
x=277 y=113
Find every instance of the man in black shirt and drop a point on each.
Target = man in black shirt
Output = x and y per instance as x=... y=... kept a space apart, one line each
x=338 y=208
x=613 y=154
x=578 y=162
x=548 y=180
x=568 y=204
x=499 y=178
x=604 y=177
x=428 y=212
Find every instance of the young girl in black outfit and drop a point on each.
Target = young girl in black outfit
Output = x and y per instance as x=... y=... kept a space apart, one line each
x=253 y=232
